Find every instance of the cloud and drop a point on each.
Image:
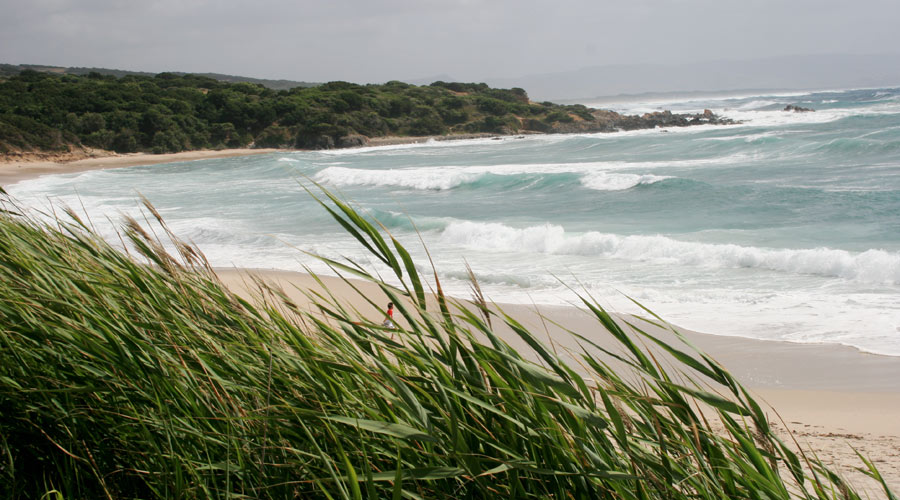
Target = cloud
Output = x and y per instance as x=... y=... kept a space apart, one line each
x=378 y=40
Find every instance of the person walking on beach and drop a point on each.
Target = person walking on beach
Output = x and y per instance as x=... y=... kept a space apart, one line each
x=389 y=321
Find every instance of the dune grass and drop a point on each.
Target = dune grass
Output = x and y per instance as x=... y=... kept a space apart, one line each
x=139 y=375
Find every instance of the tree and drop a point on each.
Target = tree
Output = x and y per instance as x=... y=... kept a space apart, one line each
x=91 y=122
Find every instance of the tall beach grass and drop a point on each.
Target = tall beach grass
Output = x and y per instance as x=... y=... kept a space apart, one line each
x=137 y=374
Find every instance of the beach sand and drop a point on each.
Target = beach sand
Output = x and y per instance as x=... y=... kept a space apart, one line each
x=833 y=399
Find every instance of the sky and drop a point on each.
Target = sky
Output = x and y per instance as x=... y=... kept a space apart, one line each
x=373 y=41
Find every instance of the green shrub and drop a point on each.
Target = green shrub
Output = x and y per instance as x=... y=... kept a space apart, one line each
x=23 y=132
x=222 y=134
x=492 y=106
x=170 y=141
x=275 y=137
x=559 y=116
x=125 y=141
x=101 y=139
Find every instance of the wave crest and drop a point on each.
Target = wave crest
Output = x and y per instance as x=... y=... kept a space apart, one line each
x=619 y=182
x=418 y=178
x=871 y=266
x=450 y=177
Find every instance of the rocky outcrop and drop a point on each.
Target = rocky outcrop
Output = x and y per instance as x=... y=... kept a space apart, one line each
x=610 y=121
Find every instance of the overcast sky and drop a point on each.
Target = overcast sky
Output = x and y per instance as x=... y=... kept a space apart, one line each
x=470 y=40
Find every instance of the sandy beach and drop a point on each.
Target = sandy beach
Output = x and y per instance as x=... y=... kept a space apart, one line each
x=834 y=399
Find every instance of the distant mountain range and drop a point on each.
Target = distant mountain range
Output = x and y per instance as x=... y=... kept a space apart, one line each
x=15 y=69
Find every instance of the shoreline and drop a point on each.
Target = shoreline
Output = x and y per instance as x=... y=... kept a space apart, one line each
x=25 y=166
x=13 y=171
x=833 y=399
x=393 y=140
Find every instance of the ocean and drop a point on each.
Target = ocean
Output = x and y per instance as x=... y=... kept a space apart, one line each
x=783 y=227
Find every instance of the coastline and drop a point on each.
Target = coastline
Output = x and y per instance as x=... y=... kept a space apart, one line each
x=15 y=169
x=393 y=140
x=833 y=398
x=24 y=166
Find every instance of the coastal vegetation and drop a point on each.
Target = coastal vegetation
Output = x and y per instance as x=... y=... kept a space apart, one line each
x=165 y=113
x=136 y=374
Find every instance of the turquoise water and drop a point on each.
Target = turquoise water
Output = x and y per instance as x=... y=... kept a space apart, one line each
x=786 y=226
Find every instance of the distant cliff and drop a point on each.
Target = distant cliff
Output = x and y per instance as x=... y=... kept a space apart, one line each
x=51 y=112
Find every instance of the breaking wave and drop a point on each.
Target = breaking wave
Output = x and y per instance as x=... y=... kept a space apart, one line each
x=593 y=176
x=619 y=182
x=871 y=266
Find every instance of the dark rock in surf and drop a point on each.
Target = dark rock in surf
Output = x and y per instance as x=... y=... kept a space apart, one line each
x=797 y=109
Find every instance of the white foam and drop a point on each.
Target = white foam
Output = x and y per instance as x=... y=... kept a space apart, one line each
x=777 y=118
x=871 y=266
x=619 y=182
x=413 y=178
x=864 y=321
x=688 y=104
x=749 y=138
x=595 y=174
x=746 y=302
x=756 y=104
x=747 y=115
x=748 y=108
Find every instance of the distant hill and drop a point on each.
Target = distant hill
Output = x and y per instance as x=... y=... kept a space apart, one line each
x=7 y=70
x=54 y=112
x=790 y=72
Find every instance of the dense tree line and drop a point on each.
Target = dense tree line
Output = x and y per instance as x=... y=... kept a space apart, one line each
x=169 y=113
